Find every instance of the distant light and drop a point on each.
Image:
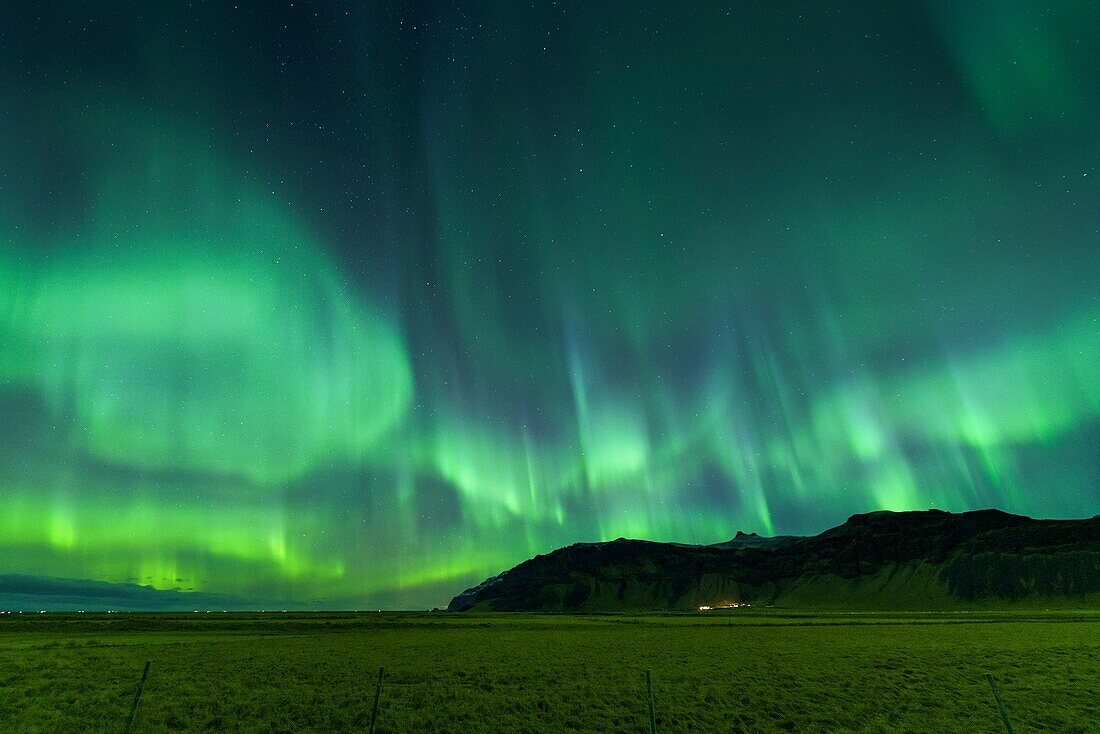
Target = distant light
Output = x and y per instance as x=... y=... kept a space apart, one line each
x=725 y=605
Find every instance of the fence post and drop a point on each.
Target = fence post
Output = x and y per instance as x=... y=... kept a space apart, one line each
x=1000 y=704
x=137 y=697
x=652 y=715
x=377 y=695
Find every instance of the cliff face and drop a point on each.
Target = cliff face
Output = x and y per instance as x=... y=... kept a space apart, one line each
x=880 y=560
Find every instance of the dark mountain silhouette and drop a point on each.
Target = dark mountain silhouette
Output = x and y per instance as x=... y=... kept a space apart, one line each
x=880 y=560
x=27 y=593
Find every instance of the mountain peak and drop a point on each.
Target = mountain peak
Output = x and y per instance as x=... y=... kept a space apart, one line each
x=916 y=560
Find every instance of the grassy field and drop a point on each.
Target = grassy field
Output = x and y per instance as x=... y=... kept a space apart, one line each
x=718 y=672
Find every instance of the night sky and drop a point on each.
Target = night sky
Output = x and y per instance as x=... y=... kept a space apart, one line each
x=356 y=304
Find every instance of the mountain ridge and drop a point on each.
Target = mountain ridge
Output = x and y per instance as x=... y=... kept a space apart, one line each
x=929 y=559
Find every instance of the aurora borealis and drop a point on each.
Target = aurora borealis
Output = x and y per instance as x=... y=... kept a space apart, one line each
x=357 y=304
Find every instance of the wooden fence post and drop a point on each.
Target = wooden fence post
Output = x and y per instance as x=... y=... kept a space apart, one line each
x=652 y=715
x=1000 y=704
x=137 y=697
x=377 y=695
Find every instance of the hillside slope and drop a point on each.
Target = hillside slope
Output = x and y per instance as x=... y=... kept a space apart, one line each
x=881 y=560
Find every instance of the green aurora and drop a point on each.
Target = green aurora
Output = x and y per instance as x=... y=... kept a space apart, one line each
x=356 y=307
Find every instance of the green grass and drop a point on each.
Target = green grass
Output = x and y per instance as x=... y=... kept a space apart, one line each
x=724 y=672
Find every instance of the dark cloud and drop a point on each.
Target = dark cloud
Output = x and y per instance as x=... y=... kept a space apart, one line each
x=20 y=592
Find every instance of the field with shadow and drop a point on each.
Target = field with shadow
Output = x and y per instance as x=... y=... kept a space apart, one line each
x=736 y=671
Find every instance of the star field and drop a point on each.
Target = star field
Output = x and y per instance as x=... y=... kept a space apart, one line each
x=355 y=305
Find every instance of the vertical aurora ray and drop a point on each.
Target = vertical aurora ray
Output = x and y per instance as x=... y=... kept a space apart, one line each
x=358 y=309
